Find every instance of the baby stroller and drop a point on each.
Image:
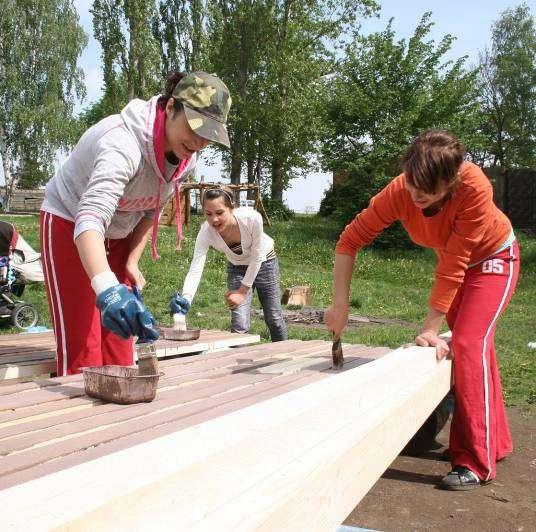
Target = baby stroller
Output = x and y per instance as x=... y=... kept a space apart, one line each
x=19 y=264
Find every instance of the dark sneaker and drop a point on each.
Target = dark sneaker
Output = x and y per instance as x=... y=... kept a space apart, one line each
x=460 y=479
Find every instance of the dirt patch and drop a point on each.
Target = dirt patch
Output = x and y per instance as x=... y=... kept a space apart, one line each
x=315 y=317
x=405 y=498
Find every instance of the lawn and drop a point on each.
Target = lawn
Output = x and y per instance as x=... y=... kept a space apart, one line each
x=387 y=283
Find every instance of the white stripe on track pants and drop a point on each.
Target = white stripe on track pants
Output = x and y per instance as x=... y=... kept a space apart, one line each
x=479 y=434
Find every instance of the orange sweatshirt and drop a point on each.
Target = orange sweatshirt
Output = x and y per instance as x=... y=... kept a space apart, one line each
x=468 y=229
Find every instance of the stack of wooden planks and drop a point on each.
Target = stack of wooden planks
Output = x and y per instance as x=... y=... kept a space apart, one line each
x=263 y=437
x=33 y=355
x=26 y=201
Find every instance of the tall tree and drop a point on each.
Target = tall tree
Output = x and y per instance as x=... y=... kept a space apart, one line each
x=239 y=34
x=130 y=51
x=40 y=44
x=306 y=33
x=180 y=32
x=274 y=53
x=386 y=92
x=508 y=78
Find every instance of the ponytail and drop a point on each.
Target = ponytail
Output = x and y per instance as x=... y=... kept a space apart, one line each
x=171 y=82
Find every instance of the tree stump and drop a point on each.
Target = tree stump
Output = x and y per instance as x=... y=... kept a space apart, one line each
x=297 y=295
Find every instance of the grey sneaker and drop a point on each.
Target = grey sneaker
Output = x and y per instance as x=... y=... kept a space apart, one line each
x=460 y=479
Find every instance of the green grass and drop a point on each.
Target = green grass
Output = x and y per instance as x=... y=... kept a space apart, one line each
x=387 y=283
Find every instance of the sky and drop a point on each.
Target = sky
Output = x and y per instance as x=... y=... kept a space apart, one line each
x=469 y=21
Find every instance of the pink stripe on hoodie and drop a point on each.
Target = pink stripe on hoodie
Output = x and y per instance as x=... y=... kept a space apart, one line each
x=159 y=135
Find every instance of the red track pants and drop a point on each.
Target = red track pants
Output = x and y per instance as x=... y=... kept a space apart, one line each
x=479 y=434
x=80 y=339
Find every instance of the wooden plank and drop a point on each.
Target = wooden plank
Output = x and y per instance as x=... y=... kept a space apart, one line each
x=230 y=381
x=297 y=461
x=29 y=355
x=25 y=396
x=297 y=295
x=239 y=358
x=27 y=370
x=213 y=408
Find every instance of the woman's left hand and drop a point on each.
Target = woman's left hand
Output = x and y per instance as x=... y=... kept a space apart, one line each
x=234 y=298
x=134 y=274
x=431 y=339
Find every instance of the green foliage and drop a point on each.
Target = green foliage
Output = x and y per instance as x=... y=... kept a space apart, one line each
x=385 y=92
x=180 y=32
x=130 y=52
x=346 y=199
x=93 y=114
x=273 y=55
x=276 y=209
x=31 y=174
x=508 y=81
x=40 y=44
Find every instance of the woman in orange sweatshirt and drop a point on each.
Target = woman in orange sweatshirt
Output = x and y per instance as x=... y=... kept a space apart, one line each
x=447 y=204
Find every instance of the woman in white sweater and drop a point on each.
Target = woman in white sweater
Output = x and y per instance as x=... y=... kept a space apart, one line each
x=251 y=263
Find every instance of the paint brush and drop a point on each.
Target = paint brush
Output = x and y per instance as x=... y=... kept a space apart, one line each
x=336 y=352
x=179 y=322
x=145 y=350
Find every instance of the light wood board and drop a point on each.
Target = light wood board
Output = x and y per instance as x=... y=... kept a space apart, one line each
x=24 y=356
x=255 y=438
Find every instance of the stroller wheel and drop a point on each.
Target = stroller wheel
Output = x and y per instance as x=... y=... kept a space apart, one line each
x=24 y=315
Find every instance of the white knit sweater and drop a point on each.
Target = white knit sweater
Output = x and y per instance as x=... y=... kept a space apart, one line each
x=256 y=245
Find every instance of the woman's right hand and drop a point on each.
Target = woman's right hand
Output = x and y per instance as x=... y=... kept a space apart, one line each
x=336 y=318
x=431 y=339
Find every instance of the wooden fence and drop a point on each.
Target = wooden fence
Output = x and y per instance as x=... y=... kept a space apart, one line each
x=515 y=194
x=25 y=201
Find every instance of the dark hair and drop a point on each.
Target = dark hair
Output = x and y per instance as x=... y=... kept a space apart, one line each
x=171 y=82
x=433 y=157
x=220 y=191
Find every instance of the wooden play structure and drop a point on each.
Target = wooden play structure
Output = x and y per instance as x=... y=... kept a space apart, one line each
x=265 y=437
x=297 y=295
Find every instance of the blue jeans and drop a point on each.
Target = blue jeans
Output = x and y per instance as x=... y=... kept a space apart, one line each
x=269 y=291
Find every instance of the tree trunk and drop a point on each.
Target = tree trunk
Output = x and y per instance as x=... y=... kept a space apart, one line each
x=236 y=157
x=131 y=67
x=251 y=170
x=254 y=177
x=277 y=180
x=197 y=33
x=243 y=74
x=277 y=161
x=7 y=175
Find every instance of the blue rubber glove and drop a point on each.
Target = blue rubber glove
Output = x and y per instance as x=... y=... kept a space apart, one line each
x=179 y=304
x=125 y=315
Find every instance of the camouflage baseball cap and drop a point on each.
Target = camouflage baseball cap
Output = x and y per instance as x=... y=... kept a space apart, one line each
x=206 y=102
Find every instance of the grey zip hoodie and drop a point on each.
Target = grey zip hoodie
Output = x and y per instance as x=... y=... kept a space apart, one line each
x=116 y=174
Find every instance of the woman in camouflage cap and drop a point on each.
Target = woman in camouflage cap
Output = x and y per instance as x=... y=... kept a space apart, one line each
x=103 y=205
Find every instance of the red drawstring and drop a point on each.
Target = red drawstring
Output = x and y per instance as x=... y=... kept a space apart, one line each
x=183 y=164
x=158 y=143
x=154 y=251
x=179 y=214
